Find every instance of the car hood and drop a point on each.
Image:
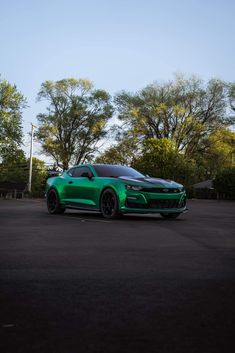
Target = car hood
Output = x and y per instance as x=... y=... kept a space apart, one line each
x=151 y=182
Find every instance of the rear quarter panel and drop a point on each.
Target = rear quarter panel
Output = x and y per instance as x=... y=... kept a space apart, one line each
x=56 y=183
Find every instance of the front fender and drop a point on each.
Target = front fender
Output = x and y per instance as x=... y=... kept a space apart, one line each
x=119 y=188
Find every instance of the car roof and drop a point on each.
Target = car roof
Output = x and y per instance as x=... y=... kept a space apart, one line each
x=98 y=164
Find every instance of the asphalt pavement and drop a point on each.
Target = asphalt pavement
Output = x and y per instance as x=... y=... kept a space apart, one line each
x=77 y=283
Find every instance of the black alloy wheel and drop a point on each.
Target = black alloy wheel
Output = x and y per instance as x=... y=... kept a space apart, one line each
x=109 y=204
x=53 y=204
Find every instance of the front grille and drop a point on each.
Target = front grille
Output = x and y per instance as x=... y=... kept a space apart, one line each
x=162 y=190
x=161 y=204
x=136 y=205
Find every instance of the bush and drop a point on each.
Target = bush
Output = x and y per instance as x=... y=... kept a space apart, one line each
x=160 y=158
x=225 y=183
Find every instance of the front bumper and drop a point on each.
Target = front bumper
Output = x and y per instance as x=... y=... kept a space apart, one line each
x=143 y=202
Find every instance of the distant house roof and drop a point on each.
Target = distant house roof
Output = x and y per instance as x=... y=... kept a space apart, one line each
x=207 y=184
x=8 y=185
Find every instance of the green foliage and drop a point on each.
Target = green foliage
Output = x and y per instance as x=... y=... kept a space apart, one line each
x=232 y=96
x=122 y=153
x=160 y=158
x=12 y=103
x=183 y=110
x=225 y=182
x=219 y=151
x=177 y=130
x=14 y=166
x=75 y=120
x=157 y=158
x=39 y=177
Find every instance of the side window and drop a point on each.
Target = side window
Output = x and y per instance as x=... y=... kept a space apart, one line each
x=77 y=172
x=71 y=171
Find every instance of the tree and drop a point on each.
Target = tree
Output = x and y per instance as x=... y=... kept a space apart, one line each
x=225 y=183
x=183 y=110
x=12 y=103
x=15 y=168
x=231 y=95
x=124 y=153
x=75 y=120
x=219 y=151
x=160 y=158
x=39 y=177
x=14 y=165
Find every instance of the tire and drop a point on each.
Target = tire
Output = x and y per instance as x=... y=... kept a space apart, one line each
x=53 y=204
x=109 y=204
x=170 y=215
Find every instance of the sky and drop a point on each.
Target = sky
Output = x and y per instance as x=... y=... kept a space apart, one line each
x=116 y=44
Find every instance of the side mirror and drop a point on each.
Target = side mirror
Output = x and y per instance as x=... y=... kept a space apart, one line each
x=86 y=175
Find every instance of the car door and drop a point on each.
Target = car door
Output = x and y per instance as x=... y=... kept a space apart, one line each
x=80 y=188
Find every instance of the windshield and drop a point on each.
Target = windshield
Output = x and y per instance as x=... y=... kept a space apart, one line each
x=115 y=171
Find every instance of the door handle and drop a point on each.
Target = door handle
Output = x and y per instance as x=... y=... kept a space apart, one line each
x=70 y=182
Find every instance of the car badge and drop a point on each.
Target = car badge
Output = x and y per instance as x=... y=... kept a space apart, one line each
x=165 y=190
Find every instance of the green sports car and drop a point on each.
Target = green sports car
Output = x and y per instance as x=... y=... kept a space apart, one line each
x=114 y=190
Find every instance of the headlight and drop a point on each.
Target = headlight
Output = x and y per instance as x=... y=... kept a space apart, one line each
x=134 y=187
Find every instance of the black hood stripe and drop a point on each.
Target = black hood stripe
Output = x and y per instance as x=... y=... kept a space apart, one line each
x=151 y=181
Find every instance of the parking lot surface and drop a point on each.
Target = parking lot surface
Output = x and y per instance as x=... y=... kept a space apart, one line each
x=77 y=283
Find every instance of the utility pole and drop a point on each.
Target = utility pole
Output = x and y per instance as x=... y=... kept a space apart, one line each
x=31 y=159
